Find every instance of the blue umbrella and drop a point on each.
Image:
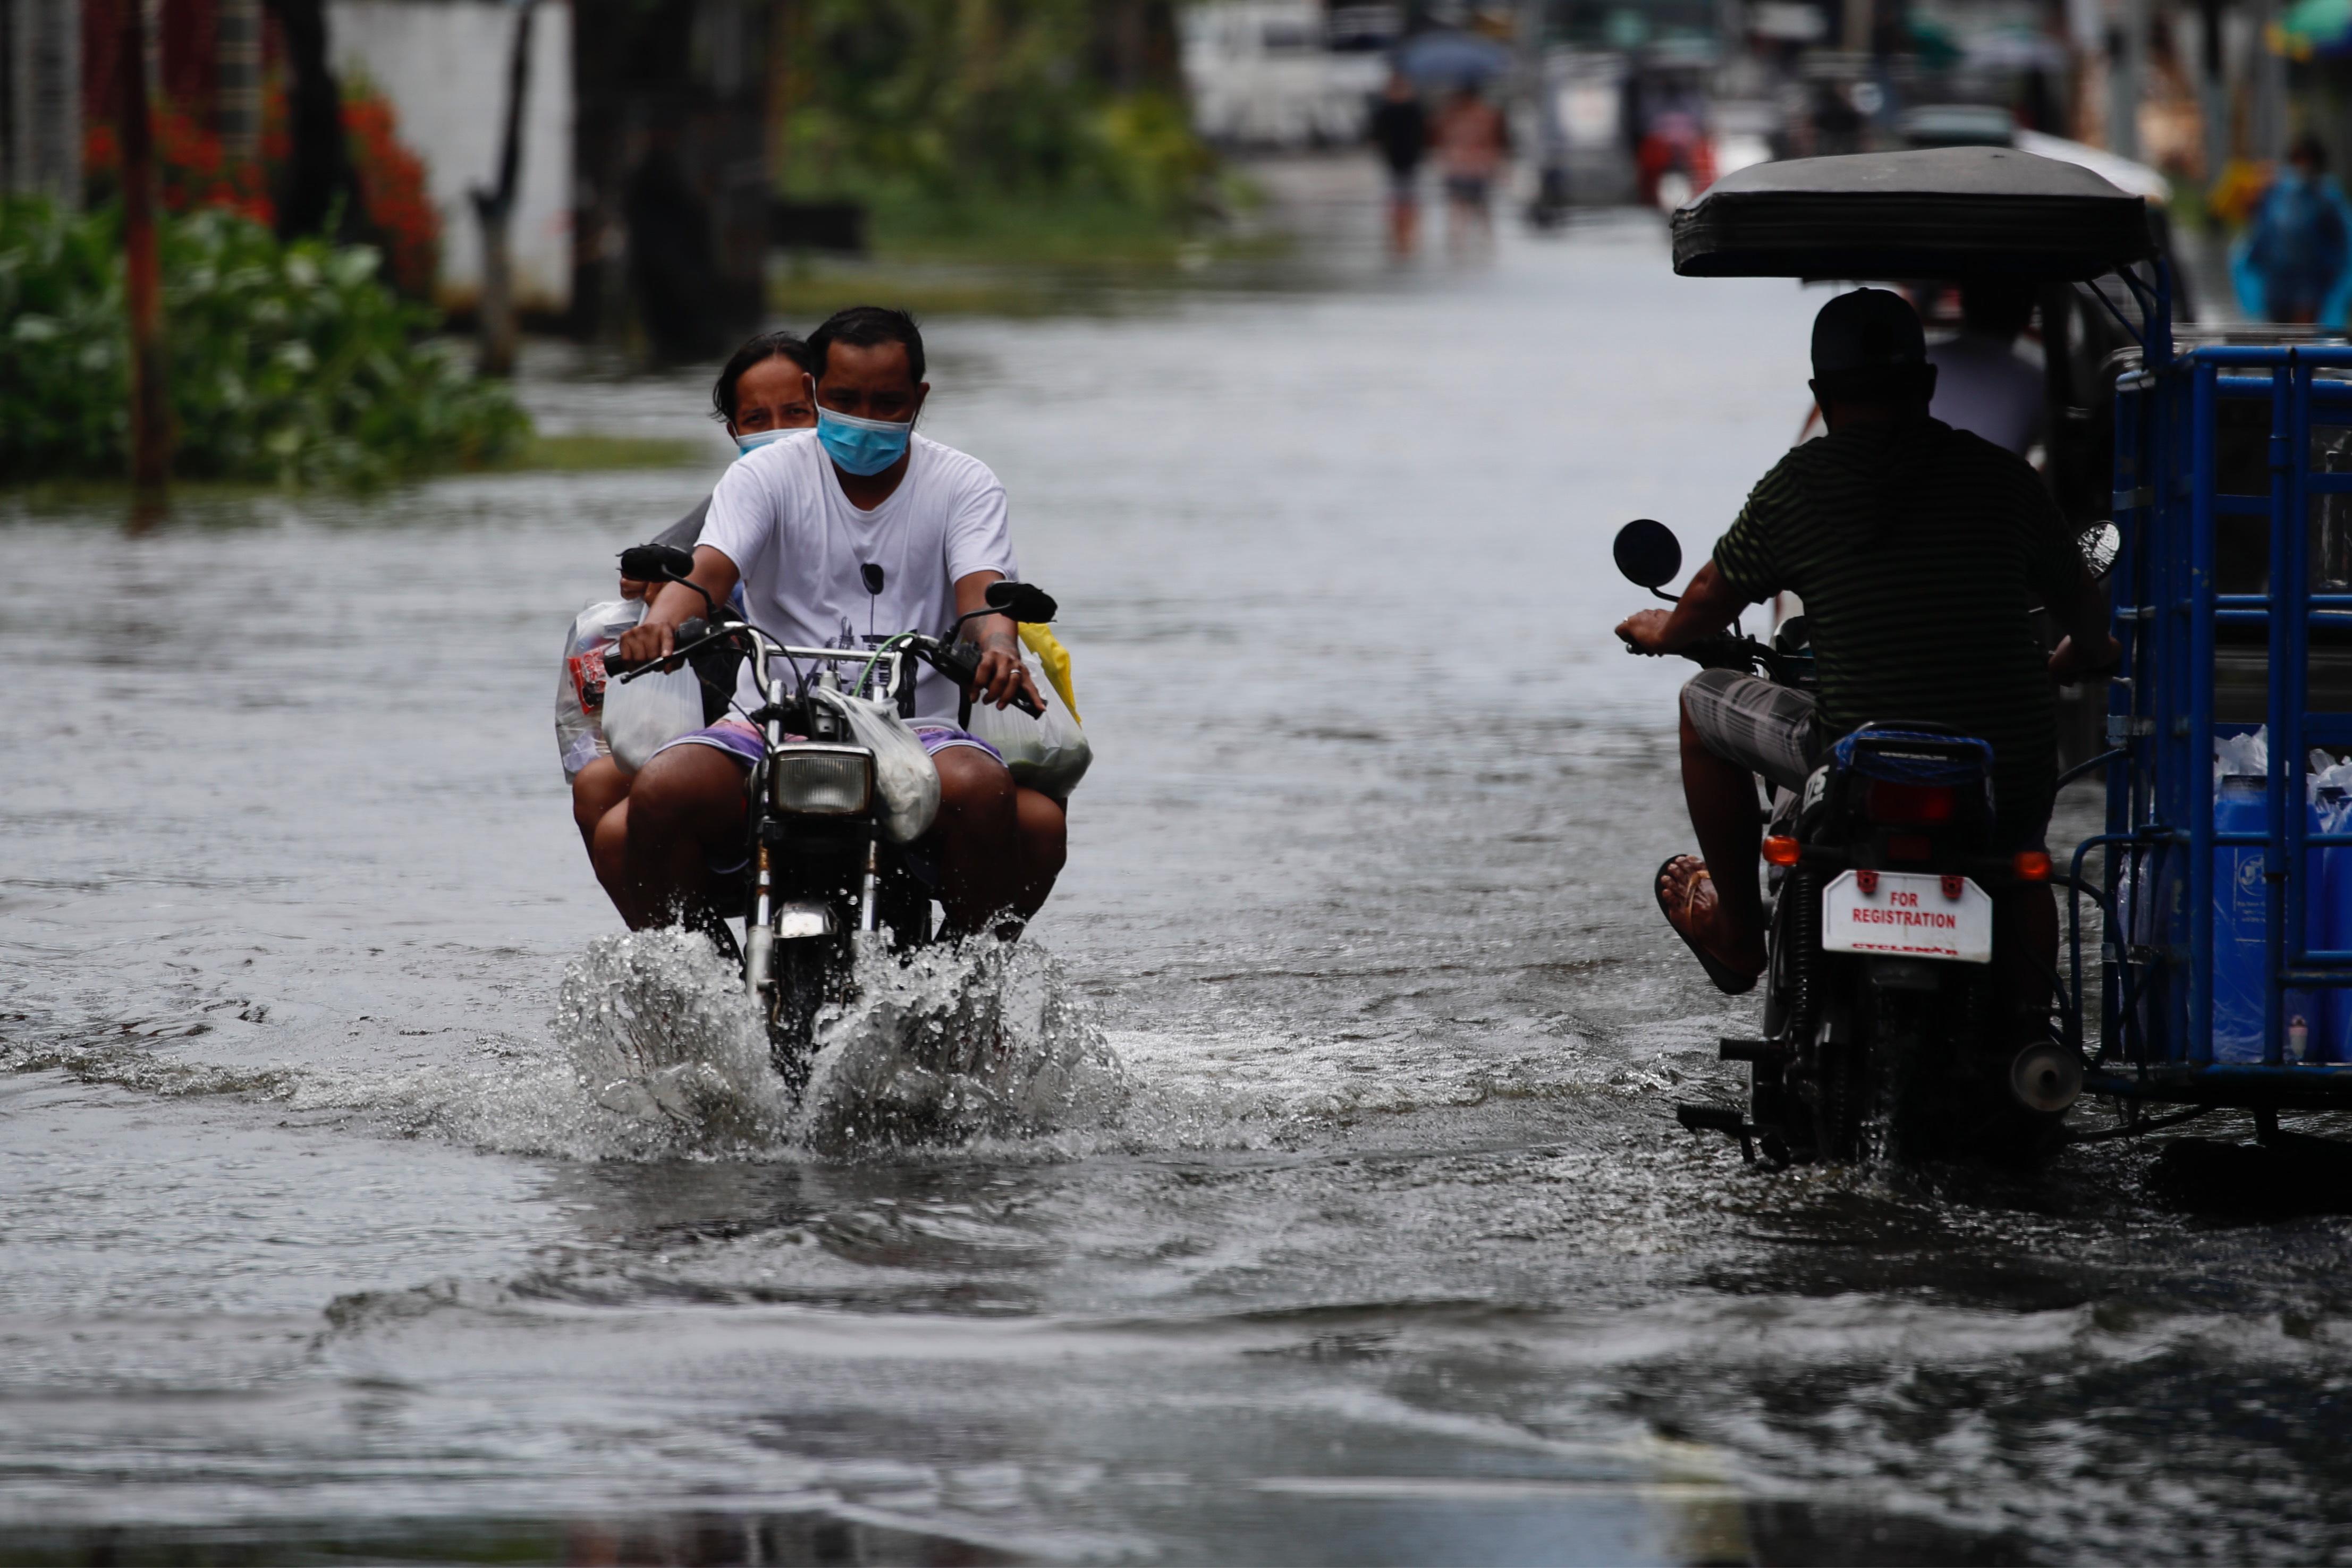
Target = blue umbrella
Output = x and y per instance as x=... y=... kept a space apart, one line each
x=1450 y=59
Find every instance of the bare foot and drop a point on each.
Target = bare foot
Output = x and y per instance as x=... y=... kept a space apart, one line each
x=1685 y=894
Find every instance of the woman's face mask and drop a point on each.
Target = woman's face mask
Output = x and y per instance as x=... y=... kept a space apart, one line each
x=753 y=441
x=862 y=446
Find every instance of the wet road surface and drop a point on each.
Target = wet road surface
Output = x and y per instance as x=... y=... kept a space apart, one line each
x=1328 y=1205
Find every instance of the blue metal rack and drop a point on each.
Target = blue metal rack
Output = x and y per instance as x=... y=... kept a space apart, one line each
x=2157 y=980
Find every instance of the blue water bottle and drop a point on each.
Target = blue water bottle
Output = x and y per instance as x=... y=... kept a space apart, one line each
x=2240 y=905
x=2331 y=897
x=2241 y=929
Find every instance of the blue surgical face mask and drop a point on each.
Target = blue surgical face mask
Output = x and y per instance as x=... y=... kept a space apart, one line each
x=862 y=446
x=746 y=444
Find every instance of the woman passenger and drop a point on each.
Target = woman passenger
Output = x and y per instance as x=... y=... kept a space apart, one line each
x=761 y=394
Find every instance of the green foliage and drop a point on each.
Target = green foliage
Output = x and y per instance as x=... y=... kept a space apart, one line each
x=953 y=107
x=288 y=363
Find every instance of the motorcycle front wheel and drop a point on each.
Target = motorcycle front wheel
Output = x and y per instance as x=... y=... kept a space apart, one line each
x=803 y=975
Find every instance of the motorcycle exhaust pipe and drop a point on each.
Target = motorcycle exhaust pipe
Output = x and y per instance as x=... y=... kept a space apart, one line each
x=2046 y=1078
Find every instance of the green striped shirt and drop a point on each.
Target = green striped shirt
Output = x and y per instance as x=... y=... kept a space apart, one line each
x=1920 y=552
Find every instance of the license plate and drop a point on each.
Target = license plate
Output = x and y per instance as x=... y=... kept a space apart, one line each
x=1909 y=916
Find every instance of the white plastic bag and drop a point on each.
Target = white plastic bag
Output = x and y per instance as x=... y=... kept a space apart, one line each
x=1049 y=754
x=647 y=711
x=905 y=781
x=579 y=684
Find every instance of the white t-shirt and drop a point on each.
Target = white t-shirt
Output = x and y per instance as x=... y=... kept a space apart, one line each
x=1989 y=389
x=780 y=516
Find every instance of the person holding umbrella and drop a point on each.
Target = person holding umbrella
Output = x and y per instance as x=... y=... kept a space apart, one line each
x=1401 y=131
x=1472 y=141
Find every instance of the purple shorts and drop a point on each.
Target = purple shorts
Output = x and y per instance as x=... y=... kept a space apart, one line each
x=741 y=742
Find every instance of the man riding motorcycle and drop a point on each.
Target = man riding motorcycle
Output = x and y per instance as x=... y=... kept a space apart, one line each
x=1919 y=552
x=858 y=526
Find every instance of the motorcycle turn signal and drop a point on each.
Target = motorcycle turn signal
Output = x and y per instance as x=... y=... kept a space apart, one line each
x=1780 y=849
x=2032 y=865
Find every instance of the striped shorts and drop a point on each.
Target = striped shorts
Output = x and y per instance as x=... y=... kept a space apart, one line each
x=1767 y=729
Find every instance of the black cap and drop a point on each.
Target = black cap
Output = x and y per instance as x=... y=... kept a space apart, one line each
x=1868 y=329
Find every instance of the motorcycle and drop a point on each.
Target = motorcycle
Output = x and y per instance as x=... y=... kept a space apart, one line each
x=821 y=870
x=1895 y=1025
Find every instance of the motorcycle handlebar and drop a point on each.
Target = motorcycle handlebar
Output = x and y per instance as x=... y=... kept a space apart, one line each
x=690 y=631
x=1720 y=652
x=960 y=664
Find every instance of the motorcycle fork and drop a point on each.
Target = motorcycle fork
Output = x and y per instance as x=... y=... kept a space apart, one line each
x=759 y=933
x=869 y=899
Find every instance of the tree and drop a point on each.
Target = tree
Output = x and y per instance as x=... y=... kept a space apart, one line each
x=494 y=208
x=319 y=170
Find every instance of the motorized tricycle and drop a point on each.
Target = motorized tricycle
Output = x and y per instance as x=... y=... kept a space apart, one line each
x=2223 y=973
x=822 y=863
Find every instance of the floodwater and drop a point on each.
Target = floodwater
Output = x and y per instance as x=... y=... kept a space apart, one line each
x=365 y=1194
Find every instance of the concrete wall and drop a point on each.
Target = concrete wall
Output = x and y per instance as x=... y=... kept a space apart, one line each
x=442 y=63
x=40 y=98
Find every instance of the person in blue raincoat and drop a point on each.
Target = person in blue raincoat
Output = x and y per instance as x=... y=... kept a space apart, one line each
x=2294 y=262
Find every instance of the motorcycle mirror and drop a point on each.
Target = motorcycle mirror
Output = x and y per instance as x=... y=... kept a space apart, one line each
x=873 y=577
x=656 y=563
x=2100 y=544
x=1648 y=553
x=1022 y=601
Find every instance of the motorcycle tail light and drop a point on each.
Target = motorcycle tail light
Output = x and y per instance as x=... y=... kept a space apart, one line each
x=1909 y=804
x=822 y=781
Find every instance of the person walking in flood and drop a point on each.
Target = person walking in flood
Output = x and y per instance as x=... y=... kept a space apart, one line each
x=2295 y=263
x=1400 y=131
x=1473 y=141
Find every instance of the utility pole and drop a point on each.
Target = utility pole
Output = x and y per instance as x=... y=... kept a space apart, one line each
x=2126 y=77
x=494 y=207
x=142 y=278
x=2266 y=127
x=236 y=58
x=44 y=100
x=2212 y=89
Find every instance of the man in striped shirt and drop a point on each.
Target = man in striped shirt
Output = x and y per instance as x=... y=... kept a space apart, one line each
x=1921 y=553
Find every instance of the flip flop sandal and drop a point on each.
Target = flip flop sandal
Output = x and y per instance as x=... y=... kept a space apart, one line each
x=1728 y=980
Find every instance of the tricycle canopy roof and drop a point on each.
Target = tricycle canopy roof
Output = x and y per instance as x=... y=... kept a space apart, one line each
x=1940 y=212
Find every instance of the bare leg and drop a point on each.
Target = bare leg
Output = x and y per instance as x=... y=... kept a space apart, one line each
x=608 y=852
x=596 y=789
x=1722 y=800
x=1045 y=846
x=685 y=804
x=979 y=838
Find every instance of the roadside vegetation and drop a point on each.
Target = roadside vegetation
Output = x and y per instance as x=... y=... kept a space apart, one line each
x=290 y=363
x=1000 y=132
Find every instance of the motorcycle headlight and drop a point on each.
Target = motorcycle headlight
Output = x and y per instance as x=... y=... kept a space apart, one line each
x=822 y=781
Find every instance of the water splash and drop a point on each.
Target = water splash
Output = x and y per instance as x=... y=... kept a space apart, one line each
x=663 y=1042
x=949 y=1046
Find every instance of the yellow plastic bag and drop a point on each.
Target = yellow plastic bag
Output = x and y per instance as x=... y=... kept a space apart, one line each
x=1041 y=640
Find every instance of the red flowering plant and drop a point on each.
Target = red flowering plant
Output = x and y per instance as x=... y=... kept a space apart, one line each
x=194 y=172
x=400 y=214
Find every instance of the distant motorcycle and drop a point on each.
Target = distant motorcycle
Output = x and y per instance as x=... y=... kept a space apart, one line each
x=821 y=867
x=1891 y=1025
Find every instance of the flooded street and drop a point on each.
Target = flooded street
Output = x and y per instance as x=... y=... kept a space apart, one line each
x=1341 y=1216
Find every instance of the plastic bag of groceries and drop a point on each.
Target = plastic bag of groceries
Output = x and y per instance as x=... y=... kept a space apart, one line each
x=649 y=710
x=1049 y=753
x=905 y=781
x=580 y=684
